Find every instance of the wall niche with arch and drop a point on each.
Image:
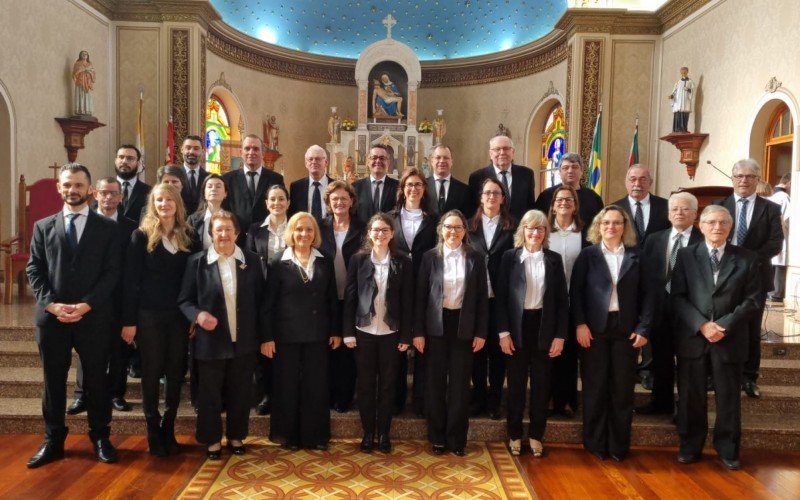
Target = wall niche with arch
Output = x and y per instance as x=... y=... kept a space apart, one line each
x=546 y=140
x=224 y=126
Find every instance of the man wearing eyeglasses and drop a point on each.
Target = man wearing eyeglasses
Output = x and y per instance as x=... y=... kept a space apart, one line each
x=517 y=180
x=378 y=192
x=570 y=169
x=757 y=227
x=308 y=193
x=447 y=192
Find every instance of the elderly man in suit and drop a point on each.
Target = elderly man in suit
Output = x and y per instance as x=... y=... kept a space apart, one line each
x=378 y=192
x=308 y=193
x=134 y=192
x=193 y=153
x=660 y=252
x=449 y=192
x=247 y=185
x=518 y=181
x=757 y=227
x=715 y=293
x=73 y=270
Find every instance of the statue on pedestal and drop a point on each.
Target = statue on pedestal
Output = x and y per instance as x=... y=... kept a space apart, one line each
x=335 y=126
x=439 y=127
x=83 y=76
x=271 y=135
x=681 y=97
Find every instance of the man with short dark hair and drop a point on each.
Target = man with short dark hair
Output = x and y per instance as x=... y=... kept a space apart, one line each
x=73 y=269
x=378 y=192
x=445 y=191
x=134 y=192
x=570 y=169
x=193 y=155
x=247 y=185
x=517 y=180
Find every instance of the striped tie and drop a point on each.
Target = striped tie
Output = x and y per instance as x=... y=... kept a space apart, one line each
x=741 y=225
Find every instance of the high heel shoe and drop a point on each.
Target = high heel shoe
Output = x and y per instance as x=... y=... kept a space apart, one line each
x=236 y=450
x=214 y=454
x=515 y=447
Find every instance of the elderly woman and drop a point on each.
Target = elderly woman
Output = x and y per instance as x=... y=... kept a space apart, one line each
x=302 y=308
x=228 y=334
x=377 y=322
x=342 y=233
x=491 y=232
x=415 y=230
x=450 y=318
x=154 y=267
x=532 y=310
x=612 y=310
x=266 y=239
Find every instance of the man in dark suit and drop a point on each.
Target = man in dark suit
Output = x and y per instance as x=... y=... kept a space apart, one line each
x=193 y=154
x=757 y=227
x=308 y=194
x=517 y=180
x=448 y=192
x=715 y=293
x=648 y=212
x=73 y=270
x=660 y=252
x=378 y=192
x=108 y=195
x=134 y=191
x=247 y=185
x=570 y=169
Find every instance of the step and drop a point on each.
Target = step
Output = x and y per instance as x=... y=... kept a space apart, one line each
x=19 y=353
x=779 y=372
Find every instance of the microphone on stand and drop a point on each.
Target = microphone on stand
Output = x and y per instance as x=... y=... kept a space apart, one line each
x=718 y=170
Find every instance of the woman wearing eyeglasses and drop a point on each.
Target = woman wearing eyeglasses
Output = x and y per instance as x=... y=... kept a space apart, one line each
x=611 y=306
x=532 y=309
x=379 y=298
x=451 y=321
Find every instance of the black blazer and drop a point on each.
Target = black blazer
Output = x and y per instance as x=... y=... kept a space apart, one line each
x=510 y=294
x=424 y=240
x=654 y=253
x=523 y=185
x=257 y=241
x=659 y=215
x=202 y=291
x=363 y=189
x=90 y=274
x=731 y=303
x=590 y=292
x=590 y=204
x=249 y=211
x=493 y=253
x=125 y=228
x=361 y=290
x=459 y=197
x=198 y=224
x=352 y=240
x=764 y=235
x=474 y=317
x=298 y=196
x=297 y=311
x=192 y=198
x=137 y=201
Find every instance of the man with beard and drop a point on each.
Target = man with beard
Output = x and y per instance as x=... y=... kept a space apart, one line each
x=134 y=191
x=73 y=269
x=193 y=152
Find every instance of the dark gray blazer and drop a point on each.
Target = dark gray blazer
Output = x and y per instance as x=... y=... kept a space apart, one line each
x=654 y=254
x=363 y=188
x=523 y=187
x=658 y=220
x=249 y=210
x=137 y=201
x=459 y=197
x=298 y=196
x=424 y=240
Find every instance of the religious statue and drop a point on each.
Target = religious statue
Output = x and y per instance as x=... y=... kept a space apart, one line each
x=271 y=136
x=335 y=126
x=349 y=170
x=386 y=98
x=503 y=130
x=439 y=128
x=84 y=77
x=682 y=96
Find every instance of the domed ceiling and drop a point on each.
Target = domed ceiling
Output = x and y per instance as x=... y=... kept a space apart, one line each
x=435 y=29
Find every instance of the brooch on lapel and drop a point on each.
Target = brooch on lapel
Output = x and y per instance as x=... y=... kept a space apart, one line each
x=242 y=266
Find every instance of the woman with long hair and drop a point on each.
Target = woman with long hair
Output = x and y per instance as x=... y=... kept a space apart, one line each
x=215 y=196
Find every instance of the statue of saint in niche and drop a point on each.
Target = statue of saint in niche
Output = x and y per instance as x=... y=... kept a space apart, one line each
x=83 y=76
x=387 y=101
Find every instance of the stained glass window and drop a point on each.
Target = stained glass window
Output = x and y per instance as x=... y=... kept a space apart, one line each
x=217 y=130
x=554 y=138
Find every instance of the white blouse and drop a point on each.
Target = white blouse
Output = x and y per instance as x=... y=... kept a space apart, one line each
x=453 y=277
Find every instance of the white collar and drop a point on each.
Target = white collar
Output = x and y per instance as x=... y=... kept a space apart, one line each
x=131 y=182
x=84 y=211
x=644 y=201
x=373 y=179
x=281 y=225
x=686 y=232
x=620 y=250
x=288 y=253
x=383 y=262
x=497 y=170
x=188 y=169
x=449 y=252
x=213 y=256
x=437 y=178
x=114 y=216
x=750 y=198
x=720 y=249
x=571 y=227
x=526 y=254
x=490 y=220
x=323 y=181
x=258 y=171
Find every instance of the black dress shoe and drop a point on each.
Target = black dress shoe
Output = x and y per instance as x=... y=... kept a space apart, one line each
x=751 y=389
x=618 y=457
x=77 y=406
x=367 y=443
x=494 y=413
x=647 y=382
x=599 y=455
x=459 y=452
x=688 y=458
x=105 y=451
x=290 y=446
x=730 y=463
x=214 y=454
x=384 y=443
x=320 y=447
x=341 y=407
x=237 y=450
x=120 y=404
x=133 y=373
x=49 y=451
x=438 y=449
x=264 y=406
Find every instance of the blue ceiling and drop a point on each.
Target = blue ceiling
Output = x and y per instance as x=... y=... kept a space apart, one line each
x=435 y=29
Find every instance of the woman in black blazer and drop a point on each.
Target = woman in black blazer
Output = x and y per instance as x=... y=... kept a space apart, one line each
x=342 y=234
x=379 y=299
x=154 y=266
x=266 y=239
x=532 y=308
x=215 y=195
x=301 y=304
x=491 y=232
x=415 y=233
x=451 y=320
x=222 y=295
x=611 y=308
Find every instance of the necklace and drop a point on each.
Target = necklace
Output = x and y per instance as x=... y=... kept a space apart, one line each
x=303 y=274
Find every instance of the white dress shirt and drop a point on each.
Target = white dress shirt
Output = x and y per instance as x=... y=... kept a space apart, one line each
x=378 y=326
x=80 y=221
x=489 y=226
x=437 y=183
x=323 y=184
x=131 y=182
x=685 y=235
x=566 y=242
x=614 y=262
x=206 y=224
x=258 y=171
x=372 y=181
x=288 y=254
x=645 y=208
x=751 y=202
x=720 y=251
x=275 y=241
x=227 y=274
x=500 y=177
x=534 y=278
x=410 y=220
x=454 y=272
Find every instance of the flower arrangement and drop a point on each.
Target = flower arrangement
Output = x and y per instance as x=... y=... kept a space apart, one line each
x=348 y=124
x=425 y=126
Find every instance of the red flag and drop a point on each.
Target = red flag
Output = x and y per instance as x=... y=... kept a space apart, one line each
x=170 y=158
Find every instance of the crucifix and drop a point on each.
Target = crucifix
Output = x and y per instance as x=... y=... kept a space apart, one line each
x=389 y=21
x=56 y=167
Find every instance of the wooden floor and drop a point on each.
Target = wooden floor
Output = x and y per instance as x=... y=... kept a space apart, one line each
x=566 y=472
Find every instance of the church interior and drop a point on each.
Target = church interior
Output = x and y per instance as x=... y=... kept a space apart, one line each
x=556 y=76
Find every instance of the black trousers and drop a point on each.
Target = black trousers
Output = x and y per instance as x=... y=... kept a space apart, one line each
x=89 y=337
x=488 y=364
x=779 y=282
x=119 y=356
x=449 y=367
x=663 y=365
x=680 y=121
x=377 y=363
x=163 y=339
x=342 y=374
x=264 y=379
x=301 y=414
x=527 y=361
x=693 y=404
x=564 y=379
x=231 y=380
x=608 y=376
x=753 y=363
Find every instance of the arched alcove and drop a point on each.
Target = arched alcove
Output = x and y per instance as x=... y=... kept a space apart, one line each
x=534 y=135
x=221 y=91
x=8 y=168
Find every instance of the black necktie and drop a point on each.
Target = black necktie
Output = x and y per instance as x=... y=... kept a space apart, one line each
x=714 y=261
x=506 y=187
x=316 y=202
x=376 y=197
x=126 y=191
x=72 y=232
x=673 y=256
x=193 y=181
x=441 y=195
x=638 y=219
x=251 y=185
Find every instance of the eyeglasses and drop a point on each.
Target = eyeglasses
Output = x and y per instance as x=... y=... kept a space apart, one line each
x=742 y=177
x=414 y=185
x=716 y=222
x=381 y=230
x=457 y=229
x=503 y=149
x=615 y=223
x=339 y=199
x=108 y=194
x=565 y=200
x=489 y=194
x=676 y=210
x=536 y=229
x=641 y=180
x=570 y=167
x=378 y=158
x=312 y=159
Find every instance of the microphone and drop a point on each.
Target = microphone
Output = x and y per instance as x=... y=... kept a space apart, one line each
x=718 y=170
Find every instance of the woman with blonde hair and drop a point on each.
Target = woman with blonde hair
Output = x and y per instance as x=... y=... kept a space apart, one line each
x=154 y=266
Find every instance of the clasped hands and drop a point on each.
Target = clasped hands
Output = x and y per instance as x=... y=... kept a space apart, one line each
x=584 y=336
x=712 y=331
x=68 y=313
